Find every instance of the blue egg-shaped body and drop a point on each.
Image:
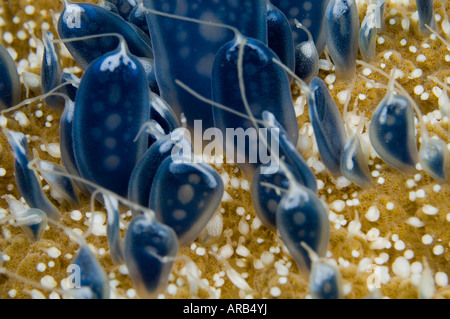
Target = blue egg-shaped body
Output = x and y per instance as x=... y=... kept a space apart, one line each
x=91 y=273
x=328 y=125
x=341 y=34
x=150 y=249
x=185 y=196
x=9 y=80
x=367 y=38
x=84 y=19
x=111 y=106
x=51 y=71
x=185 y=51
x=325 y=281
x=311 y=14
x=302 y=217
x=267 y=88
x=392 y=133
x=306 y=61
x=279 y=36
x=353 y=164
x=434 y=157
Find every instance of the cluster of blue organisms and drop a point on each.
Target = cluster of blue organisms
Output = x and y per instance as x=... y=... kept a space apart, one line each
x=123 y=123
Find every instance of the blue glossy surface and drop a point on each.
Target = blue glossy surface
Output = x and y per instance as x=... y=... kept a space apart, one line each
x=279 y=36
x=392 y=133
x=84 y=19
x=163 y=113
x=186 y=50
x=308 y=12
x=367 y=38
x=125 y=7
x=341 y=34
x=325 y=281
x=111 y=106
x=51 y=71
x=353 y=163
x=26 y=179
x=113 y=229
x=138 y=18
x=328 y=125
x=33 y=223
x=150 y=249
x=92 y=274
x=425 y=8
x=306 y=60
x=267 y=88
x=149 y=67
x=301 y=216
x=185 y=196
x=9 y=80
x=434 y=157
x=71 y=89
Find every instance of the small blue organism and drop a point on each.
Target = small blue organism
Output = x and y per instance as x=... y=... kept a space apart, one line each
x=150 y=249
x=341 y=33
x=425 y=8
x=113 y=228
x=353 y=162
x=306 y=57
x=9 y=81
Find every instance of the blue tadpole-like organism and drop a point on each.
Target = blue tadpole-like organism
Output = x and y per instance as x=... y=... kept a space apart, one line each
x=103 y=143
x=192 y=193
x=26 y=179
x=51 y=71
x=341 y=33
x=84 y=19
x=306 y=57
x=185 y=50
x=328 y=125
x=9 y=81
x=244 y=74
x=150 y=249
x=279 y=35
x=311 y=14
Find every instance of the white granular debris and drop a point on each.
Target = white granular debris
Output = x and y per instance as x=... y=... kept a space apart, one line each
x=36 y=294
x=2 y=171
x=410 y=183
x=400 y=245
x=419 y=89
x=373 y=234
x=338 y=205
x=193 y=246
x=101 y=251
x=76 y=215
x=258 y=264
x=420 y=193
x=403 y=42
x=320 y=184
x=390 y=206
x=381 y=40
x=415 y=222
x=448 y=217
x=48 y=282
x=41 y=267
x=22 y=119
x=341 y=182
x=438 y=250
x=401 y=267
x=430 y=210
x=200 y=251
x=375 y=173
x=245 y=185
x=235 y=182
x=282 y=280
x=8 y=37
x=417 y=73
x=373 y=214
x=259 y=240
x=226 y=251
x=131 y=293
x=421 y=58
x=382 y=259
x=427 y=239
x=282 y=270
x=367 y=71
x=12 y=293
x=395 y=237
x=240 y=211
x=172 y=289
x=441 y=279
x=413 y=49
x=53 y=252
x=29 y=9
x=355 y=253
x=381 y=180
x=243 y=227
x=418 y=177
x=267 y=258
x=275 y=292
x=416 y=267
x=123 y=270
x=364 y=264
x=412 y=196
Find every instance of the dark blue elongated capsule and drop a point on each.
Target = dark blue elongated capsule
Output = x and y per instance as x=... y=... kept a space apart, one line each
x=392 y=133
x=113 y=229
x=84 y=19
x=425 y=8
x=311 y=14
x=162 y=113
x=26 y=179
x=325 y=281
x=434 y=158
x=150 y=249
x=143 y=175
x=341 y=33
x=70 y=90
x=138 y=18
x=267 y=88
x=9 y=80
x=302 y=217
x=51 y=72
x=353 y=164
x=279 y=36
x=367 y=38
x=125 y=7
x=185 y=196
x=306 y=58
x=33 y=223
x=112 y=105
x=328 y=125
x=92 y=275
x=185 y=51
